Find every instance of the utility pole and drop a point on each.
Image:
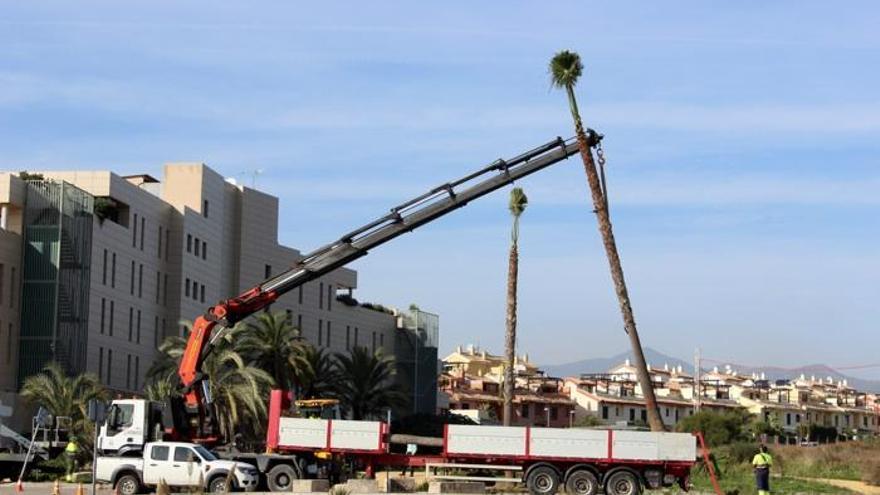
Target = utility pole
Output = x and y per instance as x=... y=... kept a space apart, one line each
x=698 y=392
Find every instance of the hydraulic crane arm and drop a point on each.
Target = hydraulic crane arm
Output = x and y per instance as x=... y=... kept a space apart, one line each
x=353 y=245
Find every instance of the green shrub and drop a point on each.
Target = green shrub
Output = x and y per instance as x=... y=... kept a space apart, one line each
x=718 y=428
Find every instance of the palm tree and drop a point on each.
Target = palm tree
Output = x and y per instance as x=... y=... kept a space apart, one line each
x=365 y=383
x=316 y=374
x=273 y=344
x=565 y=69
x=239 y=389
x=66 y=396
x=517 y=205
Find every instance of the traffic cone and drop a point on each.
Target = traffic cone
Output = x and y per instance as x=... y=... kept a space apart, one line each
x=80 y=490
x=19 y=487
x=56 y=488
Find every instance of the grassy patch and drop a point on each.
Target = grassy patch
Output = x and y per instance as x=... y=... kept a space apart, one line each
x=741 y=480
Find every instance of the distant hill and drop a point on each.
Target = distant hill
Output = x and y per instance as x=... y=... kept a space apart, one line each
x=600 y=365
x=658 y=359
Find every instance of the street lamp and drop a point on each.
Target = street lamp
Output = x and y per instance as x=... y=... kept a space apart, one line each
x=547 y=415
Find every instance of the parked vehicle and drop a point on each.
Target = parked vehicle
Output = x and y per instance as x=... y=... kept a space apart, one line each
x=179 y=464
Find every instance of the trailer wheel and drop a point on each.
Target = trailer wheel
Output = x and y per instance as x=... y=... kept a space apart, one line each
x=280 y=478
x=582 y=482
x=128 y=484
x=542 y=480
x=623 y=483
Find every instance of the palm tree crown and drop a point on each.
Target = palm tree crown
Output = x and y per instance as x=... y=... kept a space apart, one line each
x=365 y=383
x=517 y=205
x=565 y=69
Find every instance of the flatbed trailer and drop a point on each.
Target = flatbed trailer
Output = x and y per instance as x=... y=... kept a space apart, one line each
x=623 y=462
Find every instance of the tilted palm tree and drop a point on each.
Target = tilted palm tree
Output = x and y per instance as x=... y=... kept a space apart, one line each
x=271 y=342
x=365 y=383
x=517 y=205
x=565 y=69
x=316 y=374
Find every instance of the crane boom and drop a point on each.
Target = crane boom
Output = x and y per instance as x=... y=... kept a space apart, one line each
x=199 y=422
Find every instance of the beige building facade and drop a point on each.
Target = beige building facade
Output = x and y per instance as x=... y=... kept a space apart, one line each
x=158 y=253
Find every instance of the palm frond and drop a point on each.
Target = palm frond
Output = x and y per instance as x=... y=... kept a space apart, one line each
x=565 y=69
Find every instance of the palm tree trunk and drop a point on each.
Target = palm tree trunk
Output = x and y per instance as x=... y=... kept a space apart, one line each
x=604 y=220
x=510 y=334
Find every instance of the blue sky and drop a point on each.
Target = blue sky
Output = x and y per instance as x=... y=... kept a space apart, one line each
x=742 y=143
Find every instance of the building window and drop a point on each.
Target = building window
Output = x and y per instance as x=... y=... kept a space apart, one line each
x=143 y=229
x=382 y=340
x=128 y=372
x=137 y=370
x=130 y=322
x=100 y=362
x=158 y=285
x=329 y=297
x=554 y=413
x=356 y=330
x=167 y=242
x=132 y=278
x=666 y=412
x=644 y=415
x=347 y=337
x=524 y=410
x=299 y=323
x=205 y=208
x=159 y=251
x=109 y=364
x=329 y=332
x=632 y=414
x=267 y=271
x=186 y=288
x=112 y=313
x=113 y=271
x=134 y=232
x=195 y=291
x=156 y=332
x=138 y=328
x=321 y=296
x=165 y=292
x=202 y=294
x=198 y=247
x=103 y=309
x=204 y=250
x=787 y=418
x=374 y=342
x=141 y=280
x=189 y=243
x=300 y=294
x=103 y=272
x=604 y=412
x=320 y=332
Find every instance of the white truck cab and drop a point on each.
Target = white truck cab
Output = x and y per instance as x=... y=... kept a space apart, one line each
x=129 y=425
x=178 y=464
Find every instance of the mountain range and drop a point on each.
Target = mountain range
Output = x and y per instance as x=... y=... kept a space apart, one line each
x=658 y=359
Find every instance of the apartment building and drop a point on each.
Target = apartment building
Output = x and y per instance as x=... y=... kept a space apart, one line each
x=472 y=381
x=109 y=265
x=793 y=405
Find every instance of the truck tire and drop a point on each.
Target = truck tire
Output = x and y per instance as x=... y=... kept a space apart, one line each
x=128 y=484
x=542 y=480
x=218 y=484
x=582 y=482
x=623 y=483
x=280 y=478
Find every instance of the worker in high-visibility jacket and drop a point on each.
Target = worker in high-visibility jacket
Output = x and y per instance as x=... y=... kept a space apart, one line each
x=70 y=453
x=762 y=463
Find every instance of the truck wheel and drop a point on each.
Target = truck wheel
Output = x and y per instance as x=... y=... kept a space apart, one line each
x=623 y=483
x=128 y=484
x=582 y=482
x=542 y=480
x=280 y=478
x=218 y=485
